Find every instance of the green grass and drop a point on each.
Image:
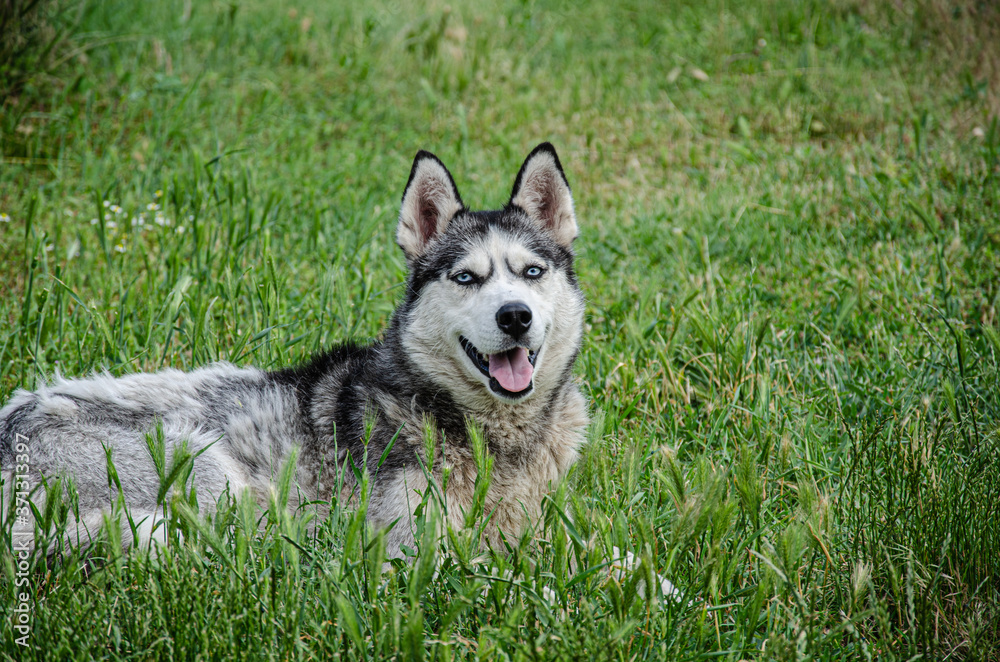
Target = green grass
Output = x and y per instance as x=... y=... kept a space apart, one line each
x=790 y=248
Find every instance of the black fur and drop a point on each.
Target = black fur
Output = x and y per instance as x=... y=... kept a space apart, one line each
x=442 y=254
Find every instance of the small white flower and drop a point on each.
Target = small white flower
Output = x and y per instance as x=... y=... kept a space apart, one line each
x=158 y=194
x=180 y=229
x=93 y=221
x=152 y=206
x=112 y=224
x=107 y=203
x=48 y=249
x=116 y=209
x=120 y=248
x=191 y=218
x=4 y=218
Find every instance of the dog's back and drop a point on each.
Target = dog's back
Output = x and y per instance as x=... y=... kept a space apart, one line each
x=240 y=424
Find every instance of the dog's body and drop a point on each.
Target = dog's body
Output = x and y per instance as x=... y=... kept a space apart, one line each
x=487 y=333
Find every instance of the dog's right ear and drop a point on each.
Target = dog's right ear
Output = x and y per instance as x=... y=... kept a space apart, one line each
x=430 y=201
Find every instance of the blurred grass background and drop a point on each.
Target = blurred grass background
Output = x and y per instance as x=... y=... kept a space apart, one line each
x=789 y=245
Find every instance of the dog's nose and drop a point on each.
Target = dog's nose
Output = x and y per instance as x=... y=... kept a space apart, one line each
x=514 y=318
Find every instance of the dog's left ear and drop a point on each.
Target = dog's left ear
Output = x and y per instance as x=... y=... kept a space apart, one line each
x=430 y=201
x=542 y=191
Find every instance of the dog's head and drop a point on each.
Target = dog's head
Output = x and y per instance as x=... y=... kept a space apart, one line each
x=492 y=309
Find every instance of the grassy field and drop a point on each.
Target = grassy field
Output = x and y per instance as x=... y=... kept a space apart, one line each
x=790 y=248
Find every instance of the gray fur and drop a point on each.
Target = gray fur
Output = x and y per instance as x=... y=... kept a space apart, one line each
x=248 y=421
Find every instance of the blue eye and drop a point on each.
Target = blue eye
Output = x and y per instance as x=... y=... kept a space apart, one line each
x=533 y=272
x=464 y=278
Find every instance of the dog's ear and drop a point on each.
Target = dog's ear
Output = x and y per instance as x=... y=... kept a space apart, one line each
x=430 y=201
x=542 y=192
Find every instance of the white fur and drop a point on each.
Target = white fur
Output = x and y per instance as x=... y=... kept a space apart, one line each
x=447 y=310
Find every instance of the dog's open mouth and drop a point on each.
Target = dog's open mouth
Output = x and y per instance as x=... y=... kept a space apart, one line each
x=509 y=372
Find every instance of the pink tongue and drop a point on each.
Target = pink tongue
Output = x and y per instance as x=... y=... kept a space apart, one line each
x=512 y=369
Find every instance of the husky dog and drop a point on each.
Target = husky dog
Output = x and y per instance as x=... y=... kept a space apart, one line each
x=487 y=333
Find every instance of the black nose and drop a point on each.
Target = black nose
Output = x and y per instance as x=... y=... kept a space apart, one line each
x=514 y=318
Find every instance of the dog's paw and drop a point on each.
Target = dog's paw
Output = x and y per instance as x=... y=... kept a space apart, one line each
x=623 y=564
